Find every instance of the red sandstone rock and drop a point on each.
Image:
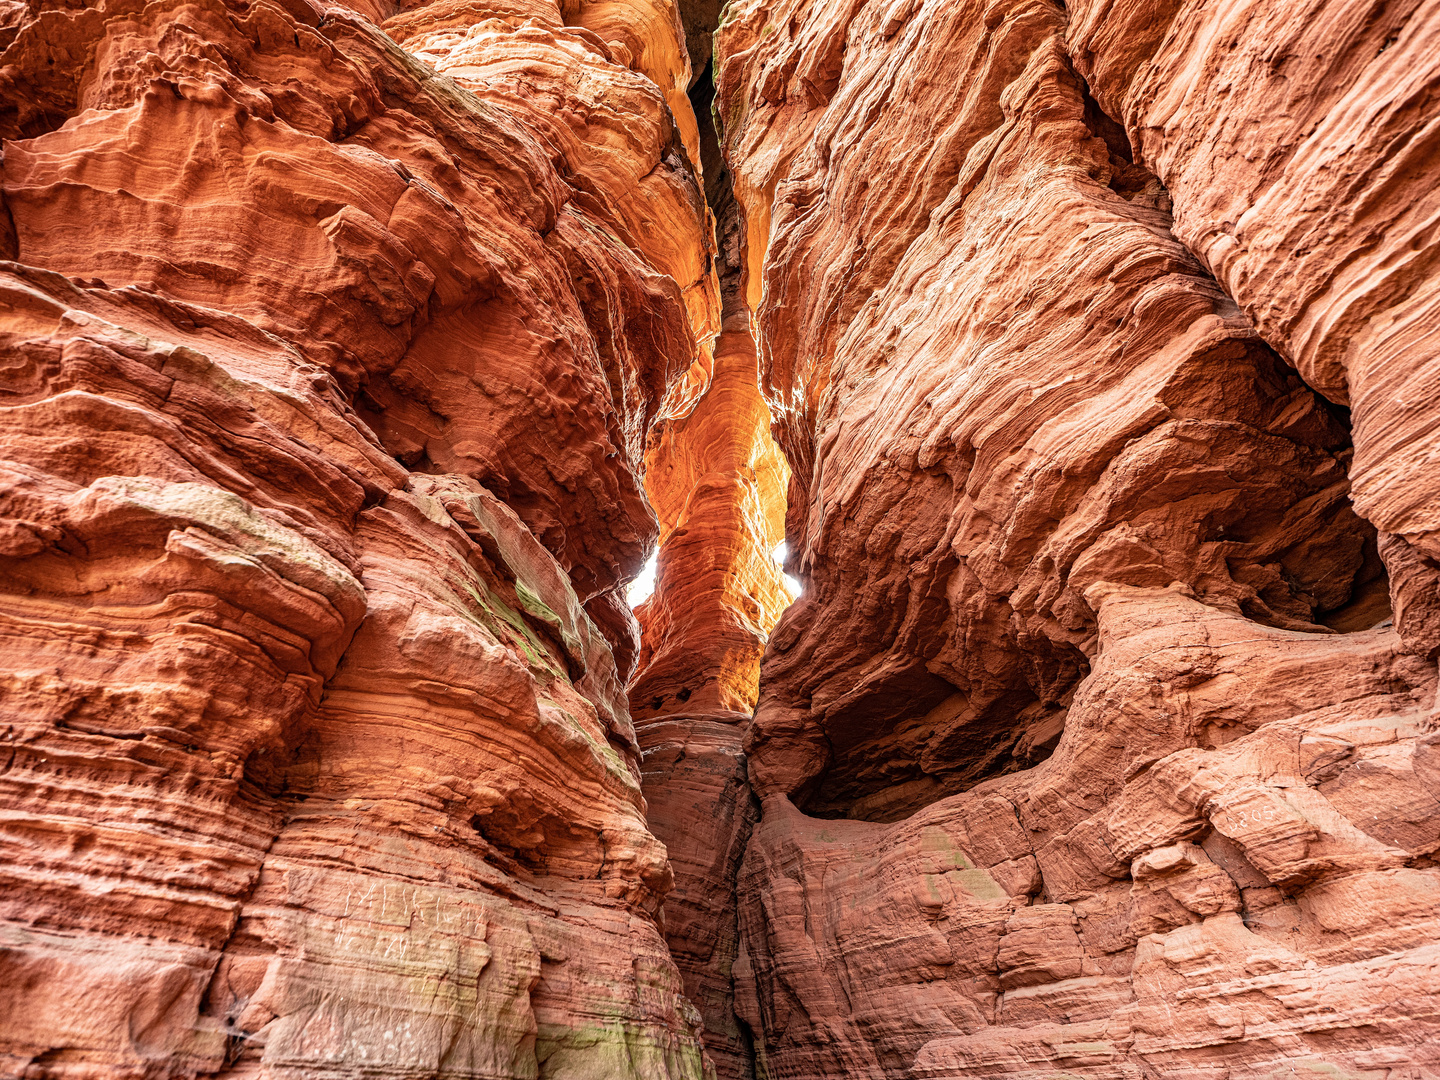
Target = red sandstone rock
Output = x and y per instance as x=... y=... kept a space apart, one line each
x=967 y=495
x=1086 y=596
x=717 y=481
x=1221 y=909
x=1091 y=748
x=1317 y=213
x=328 y=384
x=700 y=806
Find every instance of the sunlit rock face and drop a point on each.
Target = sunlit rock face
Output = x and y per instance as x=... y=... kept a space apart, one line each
x=717 y=481
x=328 y=385
x=1092 y=747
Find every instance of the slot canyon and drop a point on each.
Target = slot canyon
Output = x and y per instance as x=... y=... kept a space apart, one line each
x=1025 y=413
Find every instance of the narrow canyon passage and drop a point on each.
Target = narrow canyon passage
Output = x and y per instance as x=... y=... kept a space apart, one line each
x=1078 y=360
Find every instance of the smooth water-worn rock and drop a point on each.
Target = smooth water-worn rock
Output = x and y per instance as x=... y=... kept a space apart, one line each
x=328 y=384
x=355 y=359
x=717 y=481
x=1092 y=746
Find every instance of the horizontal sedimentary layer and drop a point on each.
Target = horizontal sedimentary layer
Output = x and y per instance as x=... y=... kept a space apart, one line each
x=1089 y=331
x=330 y=372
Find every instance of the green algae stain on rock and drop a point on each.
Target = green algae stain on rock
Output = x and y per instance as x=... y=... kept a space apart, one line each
x=979 y=884
x=937 y=842
x=621 y=1048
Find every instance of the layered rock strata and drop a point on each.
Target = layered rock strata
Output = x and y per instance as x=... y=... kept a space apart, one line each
x=347 y=350
x=717 y=481
x=328 y=384
x=1091 y=746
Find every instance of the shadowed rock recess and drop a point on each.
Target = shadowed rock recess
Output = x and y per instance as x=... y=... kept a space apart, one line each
x=355 y=359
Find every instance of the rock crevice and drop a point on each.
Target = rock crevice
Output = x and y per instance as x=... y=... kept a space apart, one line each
x=1075 y=357
x=330 y=370
x=1083 y=534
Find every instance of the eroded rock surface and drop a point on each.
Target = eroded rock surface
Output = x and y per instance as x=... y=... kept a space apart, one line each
x=341 y=348
x=1091 y=747
x=1299 y=142
x=328 y=384
x=717 y=480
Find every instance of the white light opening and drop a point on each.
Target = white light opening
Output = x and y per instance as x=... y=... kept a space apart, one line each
x=782 y=550
x=643 y=587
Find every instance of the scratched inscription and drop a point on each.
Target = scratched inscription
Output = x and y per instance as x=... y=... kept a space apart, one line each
x=388 y=919
x=1254 y=815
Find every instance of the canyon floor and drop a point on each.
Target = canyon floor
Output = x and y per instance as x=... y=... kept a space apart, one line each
x=1026 y=411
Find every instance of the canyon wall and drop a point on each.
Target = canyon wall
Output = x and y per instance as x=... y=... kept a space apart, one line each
x=357 y=357
x=329 y=374
x=1102 y=741
x=717 y=480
